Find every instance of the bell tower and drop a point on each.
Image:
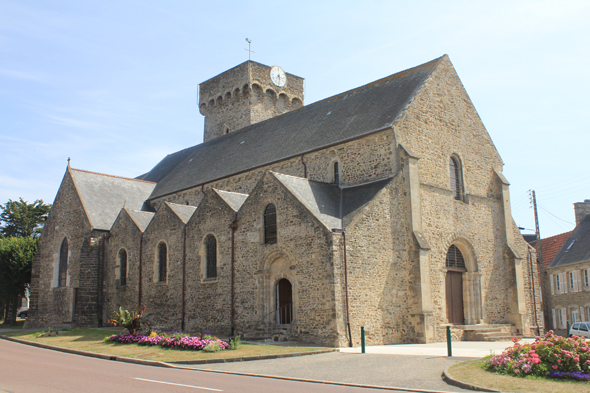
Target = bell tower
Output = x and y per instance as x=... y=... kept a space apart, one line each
x=247 y=94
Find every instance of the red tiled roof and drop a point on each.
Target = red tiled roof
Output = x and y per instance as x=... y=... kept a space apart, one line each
x=551 y=246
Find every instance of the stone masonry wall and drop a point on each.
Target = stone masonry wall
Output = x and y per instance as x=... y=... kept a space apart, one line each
x=124 y=235
x=52 y=305
x=302 y=255
x=441 y=122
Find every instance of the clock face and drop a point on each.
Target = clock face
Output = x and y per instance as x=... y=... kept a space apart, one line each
x=278 y=77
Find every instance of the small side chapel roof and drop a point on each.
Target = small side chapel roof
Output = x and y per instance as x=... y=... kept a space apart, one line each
x=329 y=122
x=323 y=200
x=184 y=212
x=576 y=248
x=142 y=219
x=234 y=199
x=103 y=196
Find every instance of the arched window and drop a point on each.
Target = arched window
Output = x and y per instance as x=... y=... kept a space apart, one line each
x=455 y=258
x=270 y=224
x=63 y=264
x=336 y=174
x=211 y=245
x=162 y=261
x=122 y=267
x=456 y=182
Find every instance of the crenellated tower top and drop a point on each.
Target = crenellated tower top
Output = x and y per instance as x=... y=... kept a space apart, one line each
x=247 y=94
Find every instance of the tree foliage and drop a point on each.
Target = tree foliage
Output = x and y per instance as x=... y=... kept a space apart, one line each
x=16 y=256
x=22 y=219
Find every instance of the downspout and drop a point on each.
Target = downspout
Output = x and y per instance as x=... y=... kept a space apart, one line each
x=140 y=269
x=342 y=231
x=183 y=275
x=534 y=296
x=234 y=226
x=101 y=280
x=304 y=167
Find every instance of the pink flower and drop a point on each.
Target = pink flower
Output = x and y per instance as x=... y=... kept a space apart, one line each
x=576 y=360
x=555 y=367
x=558 y=360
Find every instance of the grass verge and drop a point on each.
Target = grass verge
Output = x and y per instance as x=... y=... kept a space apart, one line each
x=472 y=373
x=91 y=340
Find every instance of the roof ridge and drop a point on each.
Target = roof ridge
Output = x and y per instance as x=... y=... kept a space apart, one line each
x=113 y=176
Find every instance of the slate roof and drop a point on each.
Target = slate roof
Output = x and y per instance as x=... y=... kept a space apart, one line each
x=235 y=200
x=184 y=212
x=323 y=200
x=576 y=248
x=103 y=196
x=346 y=116
x=141 y=219
x=551 y=245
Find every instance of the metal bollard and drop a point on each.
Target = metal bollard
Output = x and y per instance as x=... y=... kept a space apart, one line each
x=449 y=349
x=362 y=339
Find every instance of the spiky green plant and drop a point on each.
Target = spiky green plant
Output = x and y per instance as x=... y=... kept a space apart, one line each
x=128 y=320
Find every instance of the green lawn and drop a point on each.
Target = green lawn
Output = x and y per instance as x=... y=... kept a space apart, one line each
x=471 y=372
x=91 y=340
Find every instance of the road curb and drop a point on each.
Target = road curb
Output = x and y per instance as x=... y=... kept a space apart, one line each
x=183 y=365
x=452 y=381
x=162 y=364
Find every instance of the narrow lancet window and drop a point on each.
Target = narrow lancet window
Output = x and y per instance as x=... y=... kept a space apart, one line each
x=270 y=224
x=122 y=267
x=162 y=262
x=456 y=182
x=336 y=174
x=63 y=263
x=211 y=244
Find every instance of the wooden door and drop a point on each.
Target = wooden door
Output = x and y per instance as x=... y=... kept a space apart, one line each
x=454 y=290
x=284 y=302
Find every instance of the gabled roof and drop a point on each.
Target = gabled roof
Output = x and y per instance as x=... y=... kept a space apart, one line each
x=184 y=212
x=576 y=248
x=235 y=200
x=141 y=219
x=324 y=200
x=103 y=196
x=551 y=245
x=347 y=116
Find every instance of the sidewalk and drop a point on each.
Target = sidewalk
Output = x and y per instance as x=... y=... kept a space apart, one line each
x=466 y=349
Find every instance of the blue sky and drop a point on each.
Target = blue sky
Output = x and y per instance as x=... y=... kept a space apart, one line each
x=113 y=84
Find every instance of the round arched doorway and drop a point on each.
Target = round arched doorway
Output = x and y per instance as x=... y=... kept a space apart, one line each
x=454 y=285
x=284 y=293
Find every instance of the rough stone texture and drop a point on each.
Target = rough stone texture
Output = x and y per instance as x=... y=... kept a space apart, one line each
x=77 y=302
x=245 y=95
x=396 y=245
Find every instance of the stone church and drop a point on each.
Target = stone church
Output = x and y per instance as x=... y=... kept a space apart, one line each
x=384 y=207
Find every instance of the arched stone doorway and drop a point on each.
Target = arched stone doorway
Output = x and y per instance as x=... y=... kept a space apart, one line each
x=284 y=295
x=462 y=285
x=454 y=285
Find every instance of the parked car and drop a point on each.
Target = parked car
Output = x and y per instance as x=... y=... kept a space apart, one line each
x=22 y=313
x=581 y=329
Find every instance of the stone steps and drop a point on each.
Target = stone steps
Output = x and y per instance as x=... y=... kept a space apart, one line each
x=497 y=332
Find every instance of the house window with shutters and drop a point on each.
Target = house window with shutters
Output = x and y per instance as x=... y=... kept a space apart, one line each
x=575 y=315
x=270 y=224
x=63 y=264
x=572 y=281
x=456 y=178
x=211 y=253
x=587 y=278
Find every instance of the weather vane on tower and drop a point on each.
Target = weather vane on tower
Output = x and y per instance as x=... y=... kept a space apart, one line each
x=249 y=51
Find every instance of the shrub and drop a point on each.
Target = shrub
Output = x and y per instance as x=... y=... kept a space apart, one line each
x=546 y=356
x=235 y=342
x=127 y=320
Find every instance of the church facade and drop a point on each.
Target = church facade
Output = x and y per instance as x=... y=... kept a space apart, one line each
x=383 y=207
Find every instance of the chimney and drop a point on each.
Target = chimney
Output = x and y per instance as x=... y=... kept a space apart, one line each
x=582 y=209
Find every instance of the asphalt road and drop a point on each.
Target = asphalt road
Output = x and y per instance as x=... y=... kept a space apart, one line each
x=28 y=369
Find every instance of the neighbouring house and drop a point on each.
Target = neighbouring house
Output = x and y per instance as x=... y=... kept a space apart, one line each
x=384 y=207
x=568 y=275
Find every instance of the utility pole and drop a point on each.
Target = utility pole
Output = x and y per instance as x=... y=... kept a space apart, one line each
x=537 y=232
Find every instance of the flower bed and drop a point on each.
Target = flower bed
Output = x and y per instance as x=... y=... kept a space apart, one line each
x=549 y=356
x=174 y=340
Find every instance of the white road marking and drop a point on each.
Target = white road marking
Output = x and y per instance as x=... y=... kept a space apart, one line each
x=179 y=384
